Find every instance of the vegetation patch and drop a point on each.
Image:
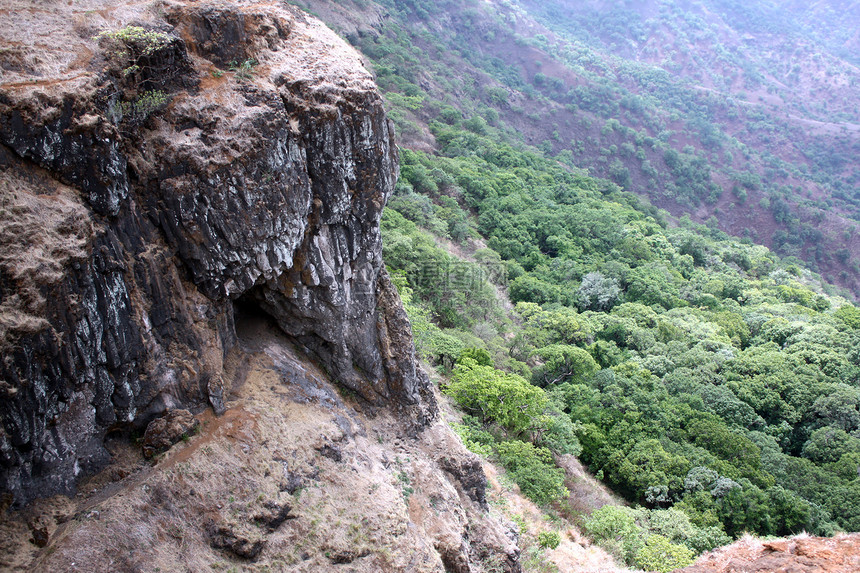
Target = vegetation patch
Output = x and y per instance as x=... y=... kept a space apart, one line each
x=143 y=66
x=691 y=372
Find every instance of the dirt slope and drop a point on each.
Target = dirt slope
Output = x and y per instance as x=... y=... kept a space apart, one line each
x=293 y=477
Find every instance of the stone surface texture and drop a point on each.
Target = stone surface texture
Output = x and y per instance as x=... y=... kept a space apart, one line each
x=163 y=432
x=256 y=172
x=295 y=476
x=800 y=554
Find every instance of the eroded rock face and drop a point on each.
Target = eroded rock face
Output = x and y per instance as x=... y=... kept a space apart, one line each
x=800 y=554
x=165 y=431
x=264 y=183
x=295 y=476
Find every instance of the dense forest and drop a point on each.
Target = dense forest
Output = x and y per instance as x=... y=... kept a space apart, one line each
x=712 y=382
x=688 y=370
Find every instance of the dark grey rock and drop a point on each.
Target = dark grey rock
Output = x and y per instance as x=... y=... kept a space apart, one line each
x=469 y=473
x=332 y=452
x=274 y=515
x=241 y=545
x=274 y=197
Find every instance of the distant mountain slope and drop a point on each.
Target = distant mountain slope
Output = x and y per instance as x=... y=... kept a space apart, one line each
x=741 y=115
x=704 y=379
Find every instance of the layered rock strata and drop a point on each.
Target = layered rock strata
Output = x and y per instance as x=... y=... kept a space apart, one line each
x=159 y=165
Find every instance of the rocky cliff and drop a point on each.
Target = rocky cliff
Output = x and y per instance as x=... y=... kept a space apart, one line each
x=159 y=165
x=190 y=195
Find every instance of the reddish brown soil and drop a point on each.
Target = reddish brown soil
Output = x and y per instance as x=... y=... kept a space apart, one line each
x=801 y=554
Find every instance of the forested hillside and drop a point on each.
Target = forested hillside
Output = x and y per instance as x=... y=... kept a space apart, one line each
x=697 y=372
x=711 y=381
x=742 y=115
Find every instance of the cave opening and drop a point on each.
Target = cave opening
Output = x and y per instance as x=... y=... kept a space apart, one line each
x=251 y=322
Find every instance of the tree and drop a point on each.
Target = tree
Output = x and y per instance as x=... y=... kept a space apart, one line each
x=660 y=554
x=614 y=528
x=790 y=513
x=671 y=523
x=745 y=509
x=722 y=402
x=658 y=540
x=828 y=444
x=620 y=174
x=496 y=396
x=531 y=289
x=654 y=284
x=850 y=315
x=444 y=348
x=646 y=465
x=544 y=327
x=840 y=408
x=713 y=435
x=479 y=355
x=532 y=469
x=700 y=478
x=563 y=363
x=597 y=292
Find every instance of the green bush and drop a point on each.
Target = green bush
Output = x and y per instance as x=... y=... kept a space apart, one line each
x=243 y=70
x=829 y=444
x=626 y=533
x=559 y=435
x=141 y=107
x=611 y=521
x=850 y=315
x=614 y=528
x=533 y=470
x=133 y=42
x=706 y=539
x=549 y=539
x=479 y=355
x=130 y=53
x=660 y=554
x=496 y=396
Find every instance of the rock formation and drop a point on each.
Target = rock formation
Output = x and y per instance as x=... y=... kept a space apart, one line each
x=165 y=431
x=294 y=476
x=799 y=554
x=158 y=167
x=190 y=195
